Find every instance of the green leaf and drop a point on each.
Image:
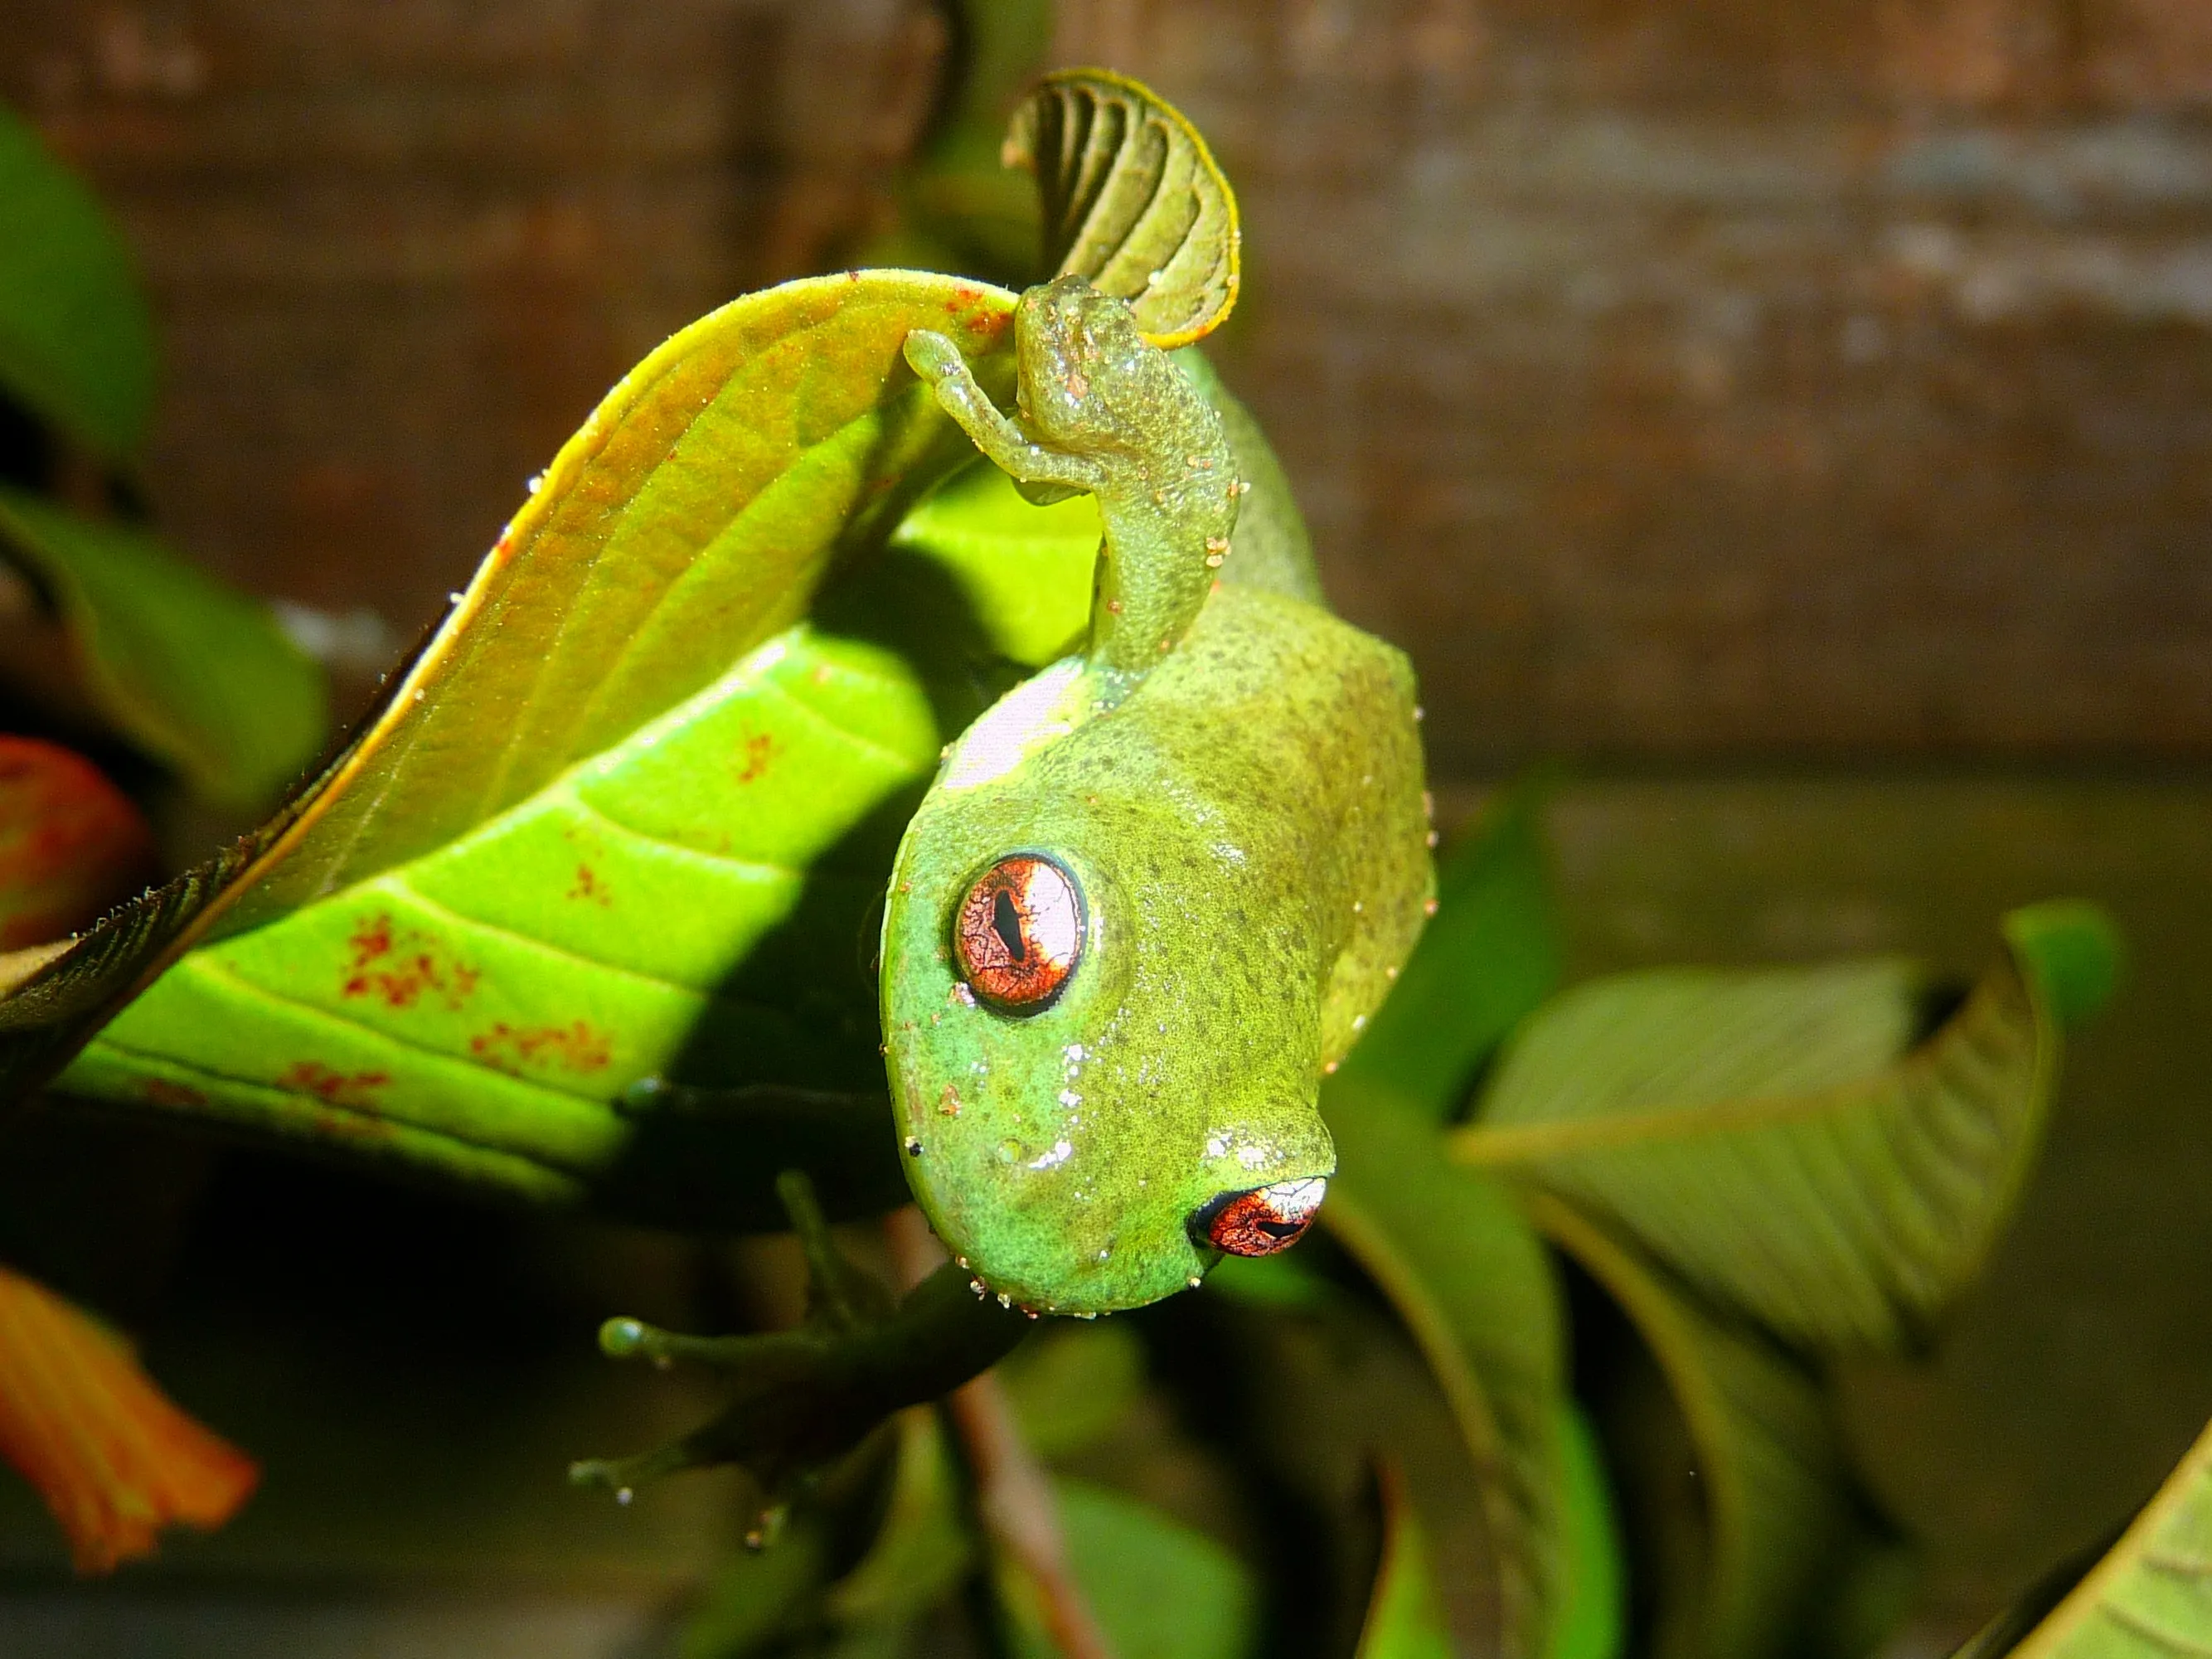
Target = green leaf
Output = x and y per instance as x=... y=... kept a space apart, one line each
x=1593 y=1620
x=1780 y=1138
x=922 y=1550
x=1070 y=1385
x=1159 y=1589
x=2151 y=1597
x=531 y=893
x=1488 y=958
x=1405 y=1619
x=1024 y=569
x=1768 y=1535
x=1132 y=200
x=196 y=675
x=77 y=340
x=1466 y=1273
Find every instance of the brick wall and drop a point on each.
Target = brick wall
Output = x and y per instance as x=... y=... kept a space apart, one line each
x=1696 y=378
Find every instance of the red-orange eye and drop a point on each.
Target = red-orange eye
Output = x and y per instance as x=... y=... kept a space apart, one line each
x=1018 y=932
x=1264 y=1220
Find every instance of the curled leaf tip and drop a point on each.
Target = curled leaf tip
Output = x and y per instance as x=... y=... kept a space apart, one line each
x=1132 y=200
x=2073 y=949
x=114 y=1459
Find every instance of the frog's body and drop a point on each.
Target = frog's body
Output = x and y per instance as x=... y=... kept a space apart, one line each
x=1229 y=780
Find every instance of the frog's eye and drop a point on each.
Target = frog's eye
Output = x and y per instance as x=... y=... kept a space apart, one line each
x=1264 y=1220
x=1018 y=932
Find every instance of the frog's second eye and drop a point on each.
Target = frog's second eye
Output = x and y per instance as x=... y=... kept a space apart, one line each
x=1264 y=1220
x=1018 y=932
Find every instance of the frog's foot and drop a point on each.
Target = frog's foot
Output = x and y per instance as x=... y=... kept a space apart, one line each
x=1054 y=474
x=802 y=1398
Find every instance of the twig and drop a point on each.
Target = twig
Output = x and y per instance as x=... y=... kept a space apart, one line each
x=1014 y=1497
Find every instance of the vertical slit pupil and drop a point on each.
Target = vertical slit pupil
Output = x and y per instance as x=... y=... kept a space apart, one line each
x=1006 y=923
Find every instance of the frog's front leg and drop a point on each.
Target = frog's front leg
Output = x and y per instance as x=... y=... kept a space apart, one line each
x=941 y=365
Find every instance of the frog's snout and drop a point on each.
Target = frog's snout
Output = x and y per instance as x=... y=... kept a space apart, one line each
x=1262 y=1221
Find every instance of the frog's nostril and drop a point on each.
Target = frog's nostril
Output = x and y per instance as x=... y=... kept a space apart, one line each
x=1262 y=1221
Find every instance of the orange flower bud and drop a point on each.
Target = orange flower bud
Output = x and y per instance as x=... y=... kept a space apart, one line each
x=114 y=1459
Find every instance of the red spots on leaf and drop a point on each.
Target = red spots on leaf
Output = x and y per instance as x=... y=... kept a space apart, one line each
x=159 y=1092
x=403 y=966
x=331 y=1086
x=574 y=1047
x=759 y=750
x=589 y=887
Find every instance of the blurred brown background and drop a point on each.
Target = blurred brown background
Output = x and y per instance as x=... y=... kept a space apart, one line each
x=1673 y=377
x=1802 y=413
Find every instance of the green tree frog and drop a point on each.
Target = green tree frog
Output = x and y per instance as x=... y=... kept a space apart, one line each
x=1155 y=893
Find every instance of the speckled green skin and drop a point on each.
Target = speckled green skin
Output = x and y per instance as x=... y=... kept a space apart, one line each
x=1233 y=777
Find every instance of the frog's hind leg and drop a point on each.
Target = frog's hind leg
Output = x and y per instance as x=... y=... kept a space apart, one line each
x=939 y=363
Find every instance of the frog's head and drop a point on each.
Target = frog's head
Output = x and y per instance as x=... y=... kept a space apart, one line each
x=1102 y=1013
x=1089 y=379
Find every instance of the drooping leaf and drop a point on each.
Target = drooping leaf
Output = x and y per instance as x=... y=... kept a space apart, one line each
x=114 y=1459
x=77 y=340
x=1489 y=957
x=1592 y=1618
x=1160 y=1590
x=1782 y=1138
x=1133 y=201
x=199 y=676
x=2149 y=1597
x=521 y=900
x=1466 y=1273
x=71 y=843
x=1405 y=1620
x=1768 y=1536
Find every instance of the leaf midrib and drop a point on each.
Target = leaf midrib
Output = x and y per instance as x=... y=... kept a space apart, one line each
x=1488 y=1145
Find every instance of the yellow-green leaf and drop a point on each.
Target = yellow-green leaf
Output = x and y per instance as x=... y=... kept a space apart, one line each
x=1132 y=200
x=1783 y=1139
x=650 y=595
x=2151 y=1597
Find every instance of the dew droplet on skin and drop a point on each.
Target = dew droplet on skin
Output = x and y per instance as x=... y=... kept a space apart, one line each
x=623 y=1495
x=913 y=1146
x=1194 y=1281
x=1359 y=1022
x=1429 y=907
x=1329 y=1070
